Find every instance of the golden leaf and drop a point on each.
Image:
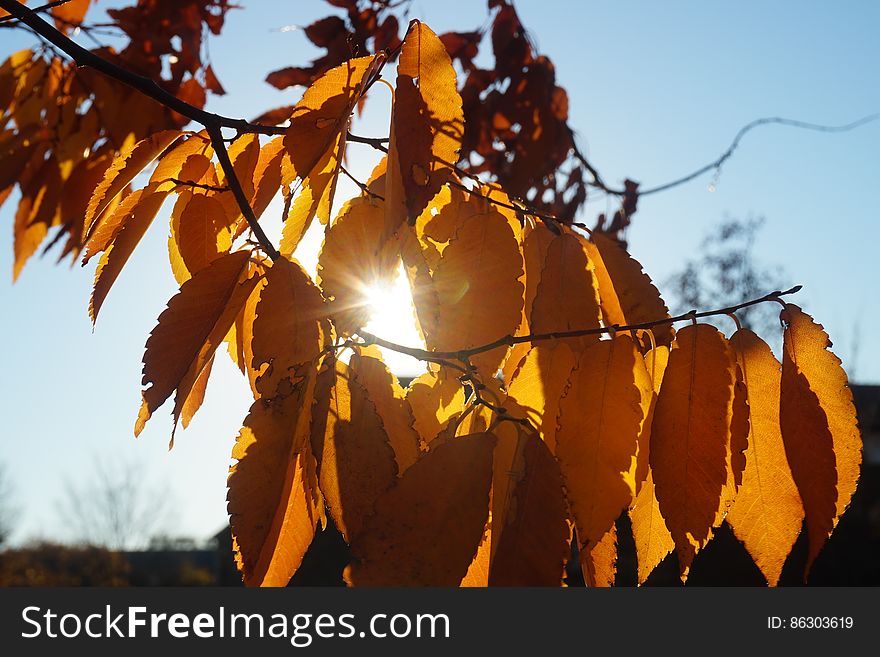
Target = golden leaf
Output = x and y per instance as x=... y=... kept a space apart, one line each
x=689 y=435
x=428 y=526
x=600 y=417
x=289 y=326
x=530 y=545
x=125 y=167
x=599 y=560
x=354 y=259
x=435 y=399
x=768 y=513
x=356 y=461
x=427 y=124
x=138 y=211
x=626 y=292
x=201 y=232
x=197 y=319
x=273 y=495
x=819 y=428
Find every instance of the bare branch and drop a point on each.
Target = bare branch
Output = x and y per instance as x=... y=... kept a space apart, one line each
x=510 y=340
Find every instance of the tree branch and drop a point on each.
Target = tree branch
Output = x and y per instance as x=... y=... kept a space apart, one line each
x=510 y=340
x=716 y=164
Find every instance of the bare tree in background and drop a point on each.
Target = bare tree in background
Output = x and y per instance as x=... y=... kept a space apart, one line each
x=116 y=506
x=7 y=508
x=727 y=272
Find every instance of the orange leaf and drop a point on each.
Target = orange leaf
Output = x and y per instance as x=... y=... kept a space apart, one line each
x=768 y=513
x=600 y=417
x=530 y=546
x=356 y=461
x=819 y=428
x=201 y=232
x=189 y=330
x=689 y=437
x=538 y=385
x=384 y=390
x=289 y=325
x=426 y=127
x=567 y=296
x=626 y=292
x=354 y=259
x=599 y=560
x=273 y=494
x=427 y=528
x=138 y=211
x=435 y=399
x=481 y=262
x=125 y=167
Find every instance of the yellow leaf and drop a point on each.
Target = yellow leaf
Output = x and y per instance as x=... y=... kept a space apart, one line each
x=353 y=260
x=819 y=428
x=539 y=383
x=768 y=513
x=196 y=396
x=626 y=292
x=600 y=417
x=599 y=560
x=125 y=167
x=688 y=453
x=189 y=330
x=427 y=124
x=137 y=215
x=566 y=298
x=530 y=544
x=389 y=398
x=355 y=462
x=201 y=232
x=273 y=494
x=428 y=526
x=435 y=399
x=481 y=262
x=289 y=328
x=652 y=539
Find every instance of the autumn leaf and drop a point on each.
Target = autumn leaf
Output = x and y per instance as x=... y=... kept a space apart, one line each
x=538 y=386
x=819 y=428
x=124 y=169
x=567 y=297
x=482 y=261
x=652 y=539
x=626 y=292
x=435 y=399
x=352 y=261
x=189 y=330
x=427 y=527
x=600 y=417
x=137 y=211
x=356 y=461
x=689 y=437
x=273 y=499
x=426 y=126
x=599 y=560
x=201 y=232
x=289 y=327
x=768 y=513
x=530 y=546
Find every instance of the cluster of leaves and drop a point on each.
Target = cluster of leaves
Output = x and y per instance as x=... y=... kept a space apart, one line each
x=530 y=429
x=516 y=115
x=62 y=125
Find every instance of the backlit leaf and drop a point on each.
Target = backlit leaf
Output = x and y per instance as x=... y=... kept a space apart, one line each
x=273 y=499
x=600 y=417
x=427 y=528
x=819 y=429
x=689 y=437
x=768 y=513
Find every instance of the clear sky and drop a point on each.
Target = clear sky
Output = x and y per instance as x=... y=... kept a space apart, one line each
x=656 y=90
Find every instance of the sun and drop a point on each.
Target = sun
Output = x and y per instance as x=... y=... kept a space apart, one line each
x=392 y=317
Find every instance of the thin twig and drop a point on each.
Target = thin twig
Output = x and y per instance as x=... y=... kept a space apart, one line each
x=510 y=340
x=41 y=8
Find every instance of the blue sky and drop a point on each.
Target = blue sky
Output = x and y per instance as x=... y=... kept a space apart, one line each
x=656 y=90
